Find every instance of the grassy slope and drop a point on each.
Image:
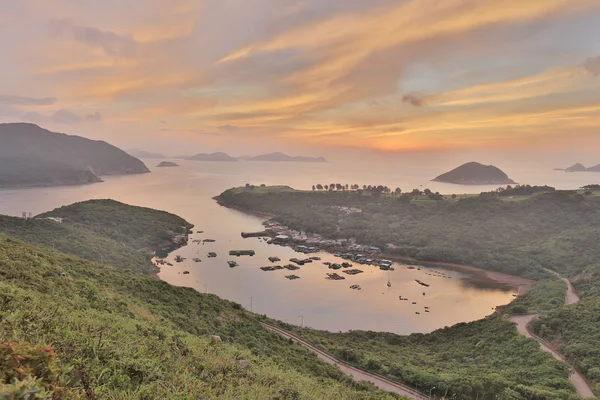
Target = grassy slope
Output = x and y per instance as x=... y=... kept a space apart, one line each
x=75 y=240
x=79 y=329
x=576 y=329
x=557 y=231
x=137 y=227
x=486 y=359
x=101 y=230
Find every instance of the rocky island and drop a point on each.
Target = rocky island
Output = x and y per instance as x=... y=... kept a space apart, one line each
x=576 y=168
x=33 y=156
x=167 y=164
x=474 y=173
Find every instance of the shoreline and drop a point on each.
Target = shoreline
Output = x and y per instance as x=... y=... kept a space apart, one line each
x=521 y=284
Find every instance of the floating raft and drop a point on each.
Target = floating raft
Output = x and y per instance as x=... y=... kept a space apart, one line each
x=353 y=271
x=274 y=259
x=292 y=277
x=335 y=277
x=291 y=267
x=238 y=253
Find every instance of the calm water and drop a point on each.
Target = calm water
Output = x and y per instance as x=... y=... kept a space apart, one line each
x=324 y=304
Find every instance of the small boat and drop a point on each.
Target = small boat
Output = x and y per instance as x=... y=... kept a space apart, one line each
x=186 y=272
x=418 y=313
x=232 y=264
x=389 y=284
x=212 y=254
x=197 y=259
x=179 y=258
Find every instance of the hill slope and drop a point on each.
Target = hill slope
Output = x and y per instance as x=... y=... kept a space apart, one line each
x=73 y=329
x=553 y=230
x=103 y=230
x=474 y=173
x=30 y=155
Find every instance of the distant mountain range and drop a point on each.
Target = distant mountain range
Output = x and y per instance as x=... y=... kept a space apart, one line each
x=219 y=156
x=271 y=157
x=474 y=173
x=33 y=156
x=581 y=168
x=281 y=157
x=144 y=154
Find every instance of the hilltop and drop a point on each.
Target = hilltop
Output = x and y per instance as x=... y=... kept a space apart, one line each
x=474 y=173
x=33 y=156
x=103 y=230
x=281 y=157
x=219 y=156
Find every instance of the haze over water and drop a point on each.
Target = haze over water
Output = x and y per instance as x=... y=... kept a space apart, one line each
x=188 y=190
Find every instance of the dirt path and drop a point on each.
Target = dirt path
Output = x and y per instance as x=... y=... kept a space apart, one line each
x=523 y=322
x=357 y=374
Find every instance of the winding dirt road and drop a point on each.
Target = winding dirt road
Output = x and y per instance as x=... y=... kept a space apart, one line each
x=523 y=322
x=357 y=374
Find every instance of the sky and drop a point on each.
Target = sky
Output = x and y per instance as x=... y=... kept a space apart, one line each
x=308 y=77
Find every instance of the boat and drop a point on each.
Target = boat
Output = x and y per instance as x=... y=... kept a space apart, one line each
x=197 y=259
x=179 y=258
x=186 y=272
x=389 y=284
x=232 y=264
x=212 y=254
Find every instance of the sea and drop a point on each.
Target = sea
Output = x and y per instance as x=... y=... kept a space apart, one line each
x=312 y=300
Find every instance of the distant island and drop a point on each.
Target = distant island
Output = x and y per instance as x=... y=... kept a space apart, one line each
x=144 y=154
x=474 y=173
x=219 y=156
x=167 y=164
x=281 y=157
x=581 y=168
x=33 y=156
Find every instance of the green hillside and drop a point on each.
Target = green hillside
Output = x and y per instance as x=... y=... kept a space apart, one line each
x=552 y=230
x=102 y=230
x=74 y=329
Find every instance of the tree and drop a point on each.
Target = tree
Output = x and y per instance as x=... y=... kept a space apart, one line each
x=314 y=188
x=346 y=186
x=338 y=186
x=427 y=192
x=397 y=191
x=416 y=192
x=364 y=187
x=319 y=187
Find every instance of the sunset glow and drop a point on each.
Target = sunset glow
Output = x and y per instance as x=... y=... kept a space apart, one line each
x=379 y=75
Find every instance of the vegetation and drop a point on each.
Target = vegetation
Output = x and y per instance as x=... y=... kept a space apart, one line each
x=520 y=190
x=486 y=359
x=575 y=329
x=74 y=329
x=543 y=297
x=102 y=230
x=138 y=227
x=553 y=230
